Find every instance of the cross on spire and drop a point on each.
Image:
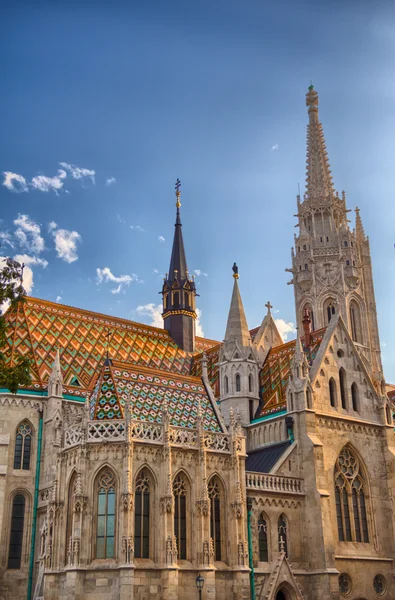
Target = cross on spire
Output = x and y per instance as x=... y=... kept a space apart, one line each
x=178 y=193
x=268 y=306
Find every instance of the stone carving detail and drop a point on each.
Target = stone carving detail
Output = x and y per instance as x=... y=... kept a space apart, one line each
x=128 y=549
x=166 y=504
x=242 y=553
x=127 y=501
x=202 y=507
x=73 y=551
x=183 y=436
x=110 y=431
x=144 y=430
x=218 y=442
x=171 y=550
x=73 y=436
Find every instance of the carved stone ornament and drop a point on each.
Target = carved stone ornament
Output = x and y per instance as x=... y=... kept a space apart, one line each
x=80 y=503
x=127 y=501
x=166 y=504
x=128 y=549
x=202 y=508
x=237 y=508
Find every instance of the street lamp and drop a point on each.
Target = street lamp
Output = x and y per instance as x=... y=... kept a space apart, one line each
x=199 y=585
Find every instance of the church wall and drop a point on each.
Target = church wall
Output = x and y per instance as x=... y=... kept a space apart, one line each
x=266 y=432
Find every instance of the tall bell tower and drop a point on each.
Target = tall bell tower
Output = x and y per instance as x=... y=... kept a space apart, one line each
x=331 y=264
x=179 y=290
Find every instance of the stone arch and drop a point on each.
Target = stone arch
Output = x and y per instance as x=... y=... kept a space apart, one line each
x=217 y=500
x=285 y=591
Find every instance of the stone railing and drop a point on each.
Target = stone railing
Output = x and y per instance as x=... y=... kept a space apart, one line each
x=109 y=431
x=74 y=435
x=217 y=442
x=183 y=436
x=274 y=483
x=145 y=431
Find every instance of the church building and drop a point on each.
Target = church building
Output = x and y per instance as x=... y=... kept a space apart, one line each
x=144 y=463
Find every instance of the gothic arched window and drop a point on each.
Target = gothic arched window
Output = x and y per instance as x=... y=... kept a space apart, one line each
x=238 y=382
x=262 y=538
x=70 y=511
x=282 y=534
x=355 y=322
x=106 y=507
x=23 y=446
x=214 y=494
x=226 y=382
x=250 y=383
x=333 y=392
x=180 y=515
x=329 y=309
x=343 y=387
x=176 y=298
x=142 y=515
x=355 y=396
x=186 y=299
x=308 y=399
x=350 y=497
x=16 y=534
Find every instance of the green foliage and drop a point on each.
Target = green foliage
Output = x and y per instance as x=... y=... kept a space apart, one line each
x=11 y=293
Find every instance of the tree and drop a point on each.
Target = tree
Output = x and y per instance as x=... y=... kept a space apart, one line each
x=11 y=293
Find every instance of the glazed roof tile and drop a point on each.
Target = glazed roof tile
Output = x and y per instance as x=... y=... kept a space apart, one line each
x=37 y=327
x=264 y=459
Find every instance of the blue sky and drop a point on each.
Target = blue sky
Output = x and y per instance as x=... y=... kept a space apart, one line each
x=130 y=96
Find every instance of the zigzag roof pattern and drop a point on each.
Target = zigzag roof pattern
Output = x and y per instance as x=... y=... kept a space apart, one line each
x=37 y=327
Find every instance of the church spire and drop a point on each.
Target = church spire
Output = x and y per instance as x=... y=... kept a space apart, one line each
x=359 y=230
x=236 y=328
x=179 y=290
x=318 y=174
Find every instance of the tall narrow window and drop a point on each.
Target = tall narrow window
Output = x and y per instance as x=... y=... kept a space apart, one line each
x=23 y=446
x=352 y=522
x=282 y=534
x=250 y=383
x=176 y=298
x=332 y=392
x=226 y=383
x=238 y=382
x=355 y=396
x=262 y=538
x=180 y=515
x=355 y=322
x=142 y=515
x=329 y=308
x=308 y=399
x=16 y=535
x=186 y=299
x=70 y=511
x=214 y=493
x=343 y=387
x=105 y=533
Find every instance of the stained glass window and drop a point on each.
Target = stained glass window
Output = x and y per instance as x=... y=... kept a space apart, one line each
x=180 y=515
x=105 y=533
x=214 y=493
x=142 y=515
x=23 y=446
x=262 y=538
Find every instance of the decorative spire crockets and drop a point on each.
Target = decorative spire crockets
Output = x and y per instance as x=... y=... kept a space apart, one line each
x=179 y=290
x=318 y=174
x=55 y=381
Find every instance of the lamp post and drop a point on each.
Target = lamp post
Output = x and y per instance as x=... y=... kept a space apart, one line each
x=199 y=585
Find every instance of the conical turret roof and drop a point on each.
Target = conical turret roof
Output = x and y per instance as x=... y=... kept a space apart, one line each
x=237 y=328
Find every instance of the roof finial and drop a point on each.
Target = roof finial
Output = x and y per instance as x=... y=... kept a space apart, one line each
x=235 y=270
x=268 y=306
x=178 y=193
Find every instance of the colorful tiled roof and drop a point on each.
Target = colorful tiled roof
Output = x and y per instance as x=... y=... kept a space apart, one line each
x=274 y=375
x=212 y=367
x=147 y=391
x=38 y=327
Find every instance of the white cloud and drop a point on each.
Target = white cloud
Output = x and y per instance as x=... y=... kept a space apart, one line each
x=161 y=239
x=31 y=260
x=58 y=298
x=6 y=239
x=28 y=234
x=137 y=228
x=154 y=313
x=78 y=172
x=285 y=328
x=52 y=226
x=105 y=275
x=155 y=271
x=110 y=181
x=14 y=182
x=66 y=242
x=275 y=147
x=120 y=219
x=198 y=273
x=46 y=184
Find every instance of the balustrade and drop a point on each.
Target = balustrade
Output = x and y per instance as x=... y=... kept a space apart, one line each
x=274 y=483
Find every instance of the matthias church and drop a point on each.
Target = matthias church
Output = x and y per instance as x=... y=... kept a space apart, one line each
x=145 y=463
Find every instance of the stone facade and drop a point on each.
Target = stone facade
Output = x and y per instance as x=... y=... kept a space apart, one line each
x=137 y=464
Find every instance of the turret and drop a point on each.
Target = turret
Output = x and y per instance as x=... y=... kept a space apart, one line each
x=238 y=362
x=179 y=291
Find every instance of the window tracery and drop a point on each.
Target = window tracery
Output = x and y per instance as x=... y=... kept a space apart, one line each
x=106 y=507
x=142 y=515
x=350 y=498
x=23 y=446
x=214 y=494
x=282 y=534
x=262 y=538
x=180 y=515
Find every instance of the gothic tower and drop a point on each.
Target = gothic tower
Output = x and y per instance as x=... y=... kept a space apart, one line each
x=331 y=264
x=238 y=362
x=179 y=291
